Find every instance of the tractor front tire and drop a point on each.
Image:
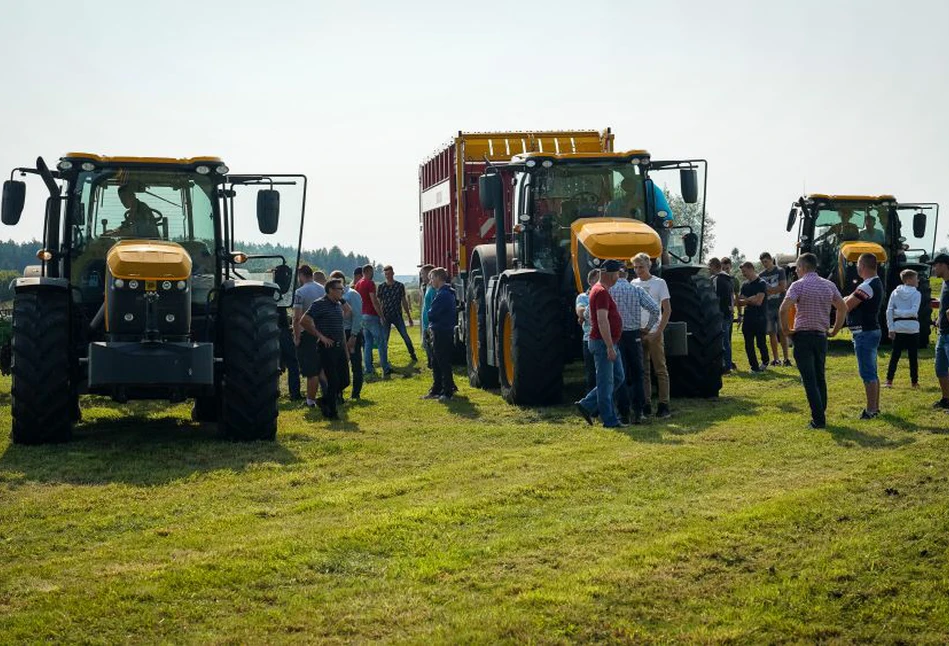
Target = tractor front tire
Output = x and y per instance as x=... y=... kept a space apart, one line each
x=480 y=374
x=45 y=403
x=699 y=373
x=251 y=352
x=530 y=343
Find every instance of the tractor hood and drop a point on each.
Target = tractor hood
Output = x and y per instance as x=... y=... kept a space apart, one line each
x=593 y=239
x=150 y=259
x=851 y=251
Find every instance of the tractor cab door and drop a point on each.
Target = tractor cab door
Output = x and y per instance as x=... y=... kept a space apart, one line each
x=262 y=228
x=675 y=205
x=915 y=234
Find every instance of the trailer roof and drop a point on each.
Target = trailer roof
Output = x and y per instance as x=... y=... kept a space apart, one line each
x=502 y=146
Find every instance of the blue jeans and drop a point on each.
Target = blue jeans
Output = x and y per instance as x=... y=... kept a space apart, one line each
x=373 y=336
x=727 y=343
x=942 y=355
x=865 y=346
x=609 y=377
x=399 y=324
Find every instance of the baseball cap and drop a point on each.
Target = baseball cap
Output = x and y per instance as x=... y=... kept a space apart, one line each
x=940 y=257
x=611 y=266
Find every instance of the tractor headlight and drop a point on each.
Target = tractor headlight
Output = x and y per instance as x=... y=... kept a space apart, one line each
x=170 y=318
x=118 y=283
x=181 y=284
x=88 y=166
x=202 y=170
x=166 y=284
x=133 y=284
x=64 y=165
x=129 y=317
x=222 y=170
x=547 y=163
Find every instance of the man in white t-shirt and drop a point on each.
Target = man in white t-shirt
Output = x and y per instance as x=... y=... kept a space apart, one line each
x=654 y=350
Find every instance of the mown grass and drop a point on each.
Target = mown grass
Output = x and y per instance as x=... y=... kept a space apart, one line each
x=478 y=522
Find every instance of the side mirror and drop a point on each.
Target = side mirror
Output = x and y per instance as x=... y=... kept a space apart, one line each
x=792 y=218
x=268 y=210
x=689 y=181
x=919 y=224
x=14 y=196
x=490 y=191
x=283 y=276
x=691 y=243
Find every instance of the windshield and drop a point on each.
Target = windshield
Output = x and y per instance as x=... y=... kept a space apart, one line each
x=866 y=223
x=567 y=192
x=115 y=204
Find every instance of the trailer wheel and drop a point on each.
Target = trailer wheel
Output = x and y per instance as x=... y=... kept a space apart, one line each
x=480 y=374
x=45 y=403
x=699 y=373
x=251 y=352
x=530 y=343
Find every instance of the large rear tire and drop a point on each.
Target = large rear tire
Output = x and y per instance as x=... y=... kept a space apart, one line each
x=251 y=351
x=530 y=343
x=480 y=374
x=699 y=373
x=45 y=403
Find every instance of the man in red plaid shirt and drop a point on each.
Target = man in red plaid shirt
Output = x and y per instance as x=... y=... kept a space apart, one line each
x=814 y=297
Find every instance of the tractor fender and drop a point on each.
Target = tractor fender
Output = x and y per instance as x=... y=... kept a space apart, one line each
x=40 y=283
x=484 y=258
x=680 y=272
x=245 y=286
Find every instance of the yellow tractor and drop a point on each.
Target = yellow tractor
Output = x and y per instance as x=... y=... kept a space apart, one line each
x=143 y=293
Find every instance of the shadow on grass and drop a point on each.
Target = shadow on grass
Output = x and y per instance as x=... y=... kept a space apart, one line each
x=139 y=451
x=847 y=435
x=342 y=423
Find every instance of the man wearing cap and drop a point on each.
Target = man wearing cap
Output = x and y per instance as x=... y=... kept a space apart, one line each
x=607 y=327
x=813 y=297
x=941 y=270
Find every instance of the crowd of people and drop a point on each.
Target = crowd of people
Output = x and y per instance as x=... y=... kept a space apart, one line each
x=337 y=328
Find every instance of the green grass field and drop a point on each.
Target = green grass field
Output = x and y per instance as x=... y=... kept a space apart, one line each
x=477 y=522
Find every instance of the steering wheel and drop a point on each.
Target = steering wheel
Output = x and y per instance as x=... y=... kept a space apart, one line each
x=594 y=198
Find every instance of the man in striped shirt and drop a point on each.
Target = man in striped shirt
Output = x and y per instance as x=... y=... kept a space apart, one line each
x=631 y=300
x=813 y=297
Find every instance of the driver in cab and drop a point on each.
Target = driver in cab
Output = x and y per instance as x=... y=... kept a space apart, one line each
x=139 y=221
x=843 y=231
x=870 y=233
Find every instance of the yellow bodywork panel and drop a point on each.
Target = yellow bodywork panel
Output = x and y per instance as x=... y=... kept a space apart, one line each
x=851 y=198
x=149 y=259
x=851 y=251
x=184 y=161
x=611 y=238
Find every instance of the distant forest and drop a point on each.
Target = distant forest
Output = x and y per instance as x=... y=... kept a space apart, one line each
x=15 y=256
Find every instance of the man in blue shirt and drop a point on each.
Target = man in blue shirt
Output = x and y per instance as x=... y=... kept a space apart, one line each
x=869 y=232
x=441 y=321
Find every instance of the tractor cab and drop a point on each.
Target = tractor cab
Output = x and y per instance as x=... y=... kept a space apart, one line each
x=146 y=291
x=838 y=229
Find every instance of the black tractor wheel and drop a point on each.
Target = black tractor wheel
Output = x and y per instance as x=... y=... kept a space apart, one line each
x=530 y=343
x=699 y=373
x=250 y=384
x=480 y=374
x=45 y=403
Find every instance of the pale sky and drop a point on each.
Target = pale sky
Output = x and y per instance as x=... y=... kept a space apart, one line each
x=837 y=97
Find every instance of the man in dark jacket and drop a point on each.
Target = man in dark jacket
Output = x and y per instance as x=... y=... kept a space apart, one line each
x=324 y=320
x=441 y=325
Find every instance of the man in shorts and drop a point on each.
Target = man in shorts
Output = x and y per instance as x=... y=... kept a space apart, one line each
x=940 y=266
x=864 y=305
x=774 y=277
x=308 y=353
